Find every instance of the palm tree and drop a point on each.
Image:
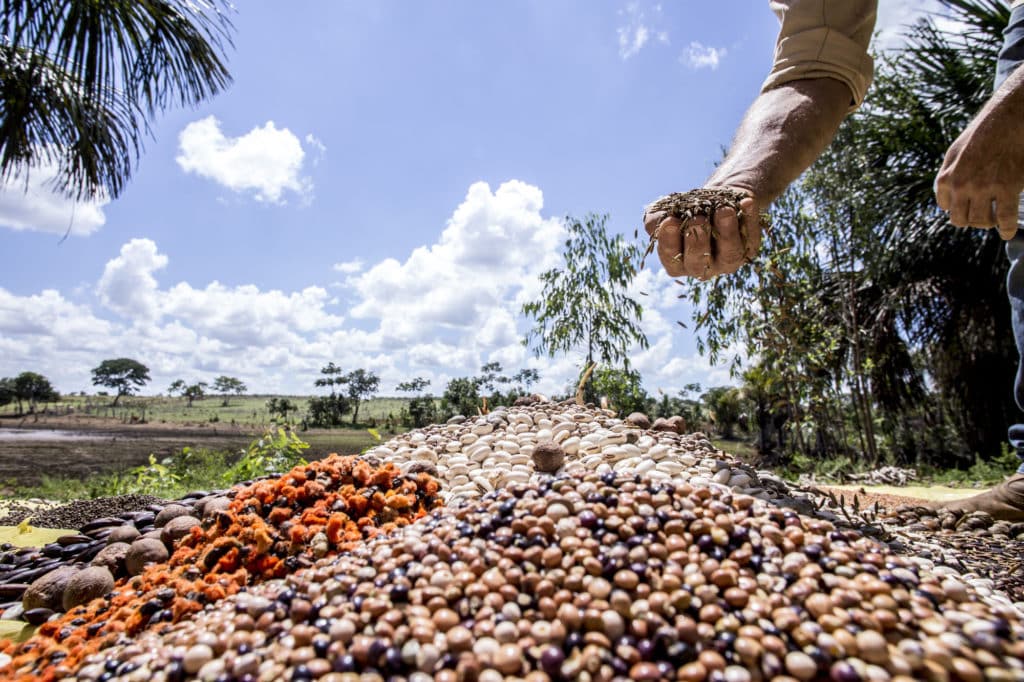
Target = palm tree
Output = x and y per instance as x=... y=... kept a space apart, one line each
x=80 y=79
x=929 y=299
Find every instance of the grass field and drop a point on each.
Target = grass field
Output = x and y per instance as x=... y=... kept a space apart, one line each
x=243 y=410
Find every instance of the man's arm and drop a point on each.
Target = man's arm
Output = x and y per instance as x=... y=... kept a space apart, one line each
x=783 y=132
x=983 y=173
x=820 y=72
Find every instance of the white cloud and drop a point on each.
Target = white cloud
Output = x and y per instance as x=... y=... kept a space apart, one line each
x=494 y=244
x=349 y=267
x=440 y=312
x=127 y=285
x=636 y=32
x=265 y=162
x=36 y=206
x=700 y=56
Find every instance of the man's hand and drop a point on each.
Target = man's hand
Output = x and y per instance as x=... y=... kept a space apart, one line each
x=702 y=250
x=983 y=173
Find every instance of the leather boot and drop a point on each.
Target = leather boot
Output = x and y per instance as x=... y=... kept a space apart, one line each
x=1004 y=502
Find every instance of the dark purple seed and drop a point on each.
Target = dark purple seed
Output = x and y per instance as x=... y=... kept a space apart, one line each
x=841 y=671
x=551 y=659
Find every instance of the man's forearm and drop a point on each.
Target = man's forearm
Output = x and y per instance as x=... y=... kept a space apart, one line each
x=783 y=132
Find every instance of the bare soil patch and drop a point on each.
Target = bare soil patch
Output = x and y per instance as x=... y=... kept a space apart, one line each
x=115 y=446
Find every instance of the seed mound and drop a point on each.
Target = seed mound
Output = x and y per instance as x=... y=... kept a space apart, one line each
x=605 y=576
x=648 y=554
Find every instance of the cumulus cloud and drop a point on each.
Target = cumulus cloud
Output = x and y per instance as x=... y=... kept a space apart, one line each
x=34 y=205
x=699 y=56
x=349 y=267
x=494 y=244
x=265 y=162
x=636 y=32
x=127 y=285
x=441 y=311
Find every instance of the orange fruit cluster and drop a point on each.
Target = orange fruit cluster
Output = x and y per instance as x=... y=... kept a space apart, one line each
x=272 y=527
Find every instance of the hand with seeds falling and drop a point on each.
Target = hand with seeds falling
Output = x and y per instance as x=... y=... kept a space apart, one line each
x=704 y=233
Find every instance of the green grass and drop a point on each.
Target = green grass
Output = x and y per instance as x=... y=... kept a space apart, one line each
x=245 y=411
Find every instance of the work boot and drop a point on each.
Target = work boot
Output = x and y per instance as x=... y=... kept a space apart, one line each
x=1005 y=502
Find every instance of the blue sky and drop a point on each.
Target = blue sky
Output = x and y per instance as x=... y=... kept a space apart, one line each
x=381 y=186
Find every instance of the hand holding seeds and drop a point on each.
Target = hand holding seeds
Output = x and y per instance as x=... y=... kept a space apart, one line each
x=704 y=232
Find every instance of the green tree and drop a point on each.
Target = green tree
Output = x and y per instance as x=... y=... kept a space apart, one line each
x=725 y=404
x=177 y=386
x=333 y=376
x=524 y=379
x=33 y=388
x=866 y=308
x=80 y=80
x=281 y=407
x=361 y=385
x=584 y=304
x=422 y=409
x=196 y=391
x=225 y=385
x=461 y=396
x=123 y=375
x=622 y=388
x=8 y=394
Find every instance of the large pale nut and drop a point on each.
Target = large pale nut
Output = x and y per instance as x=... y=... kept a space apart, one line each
x=169 y=512
x=112 y=557
x=126 y=533
x=86 y=585
x=144 y=551
x=47 y=591
x=662 y=424
x=678 y=423
x=215 y=504
x=177 y=528
x=639 y=420
x=548 y=456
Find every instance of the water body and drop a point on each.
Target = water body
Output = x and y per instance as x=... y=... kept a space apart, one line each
x=48 y=435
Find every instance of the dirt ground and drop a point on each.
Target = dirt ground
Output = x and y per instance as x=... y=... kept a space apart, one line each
x=106 y=445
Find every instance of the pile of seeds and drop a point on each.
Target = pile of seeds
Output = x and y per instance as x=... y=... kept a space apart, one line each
x=472 y=457
x=574 y=545
x=79 y=513
x=271 y=528
x=596 y=577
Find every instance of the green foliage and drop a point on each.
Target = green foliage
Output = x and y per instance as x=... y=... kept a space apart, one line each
x=275 y=453
x=361 y=385
x=79 y=80
x=281 y=407
x=193 y=392
x=123 y=375
x=725 y=404
x=422 y=409
x=461 y=396
x=332 y=377
x=879 y=332
x=225 y=385
x=8 y=392
x=32 y=388
x=326 y=411
x=622 y=388
x=177 y=386
x=584 y=304
x=191 y=469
